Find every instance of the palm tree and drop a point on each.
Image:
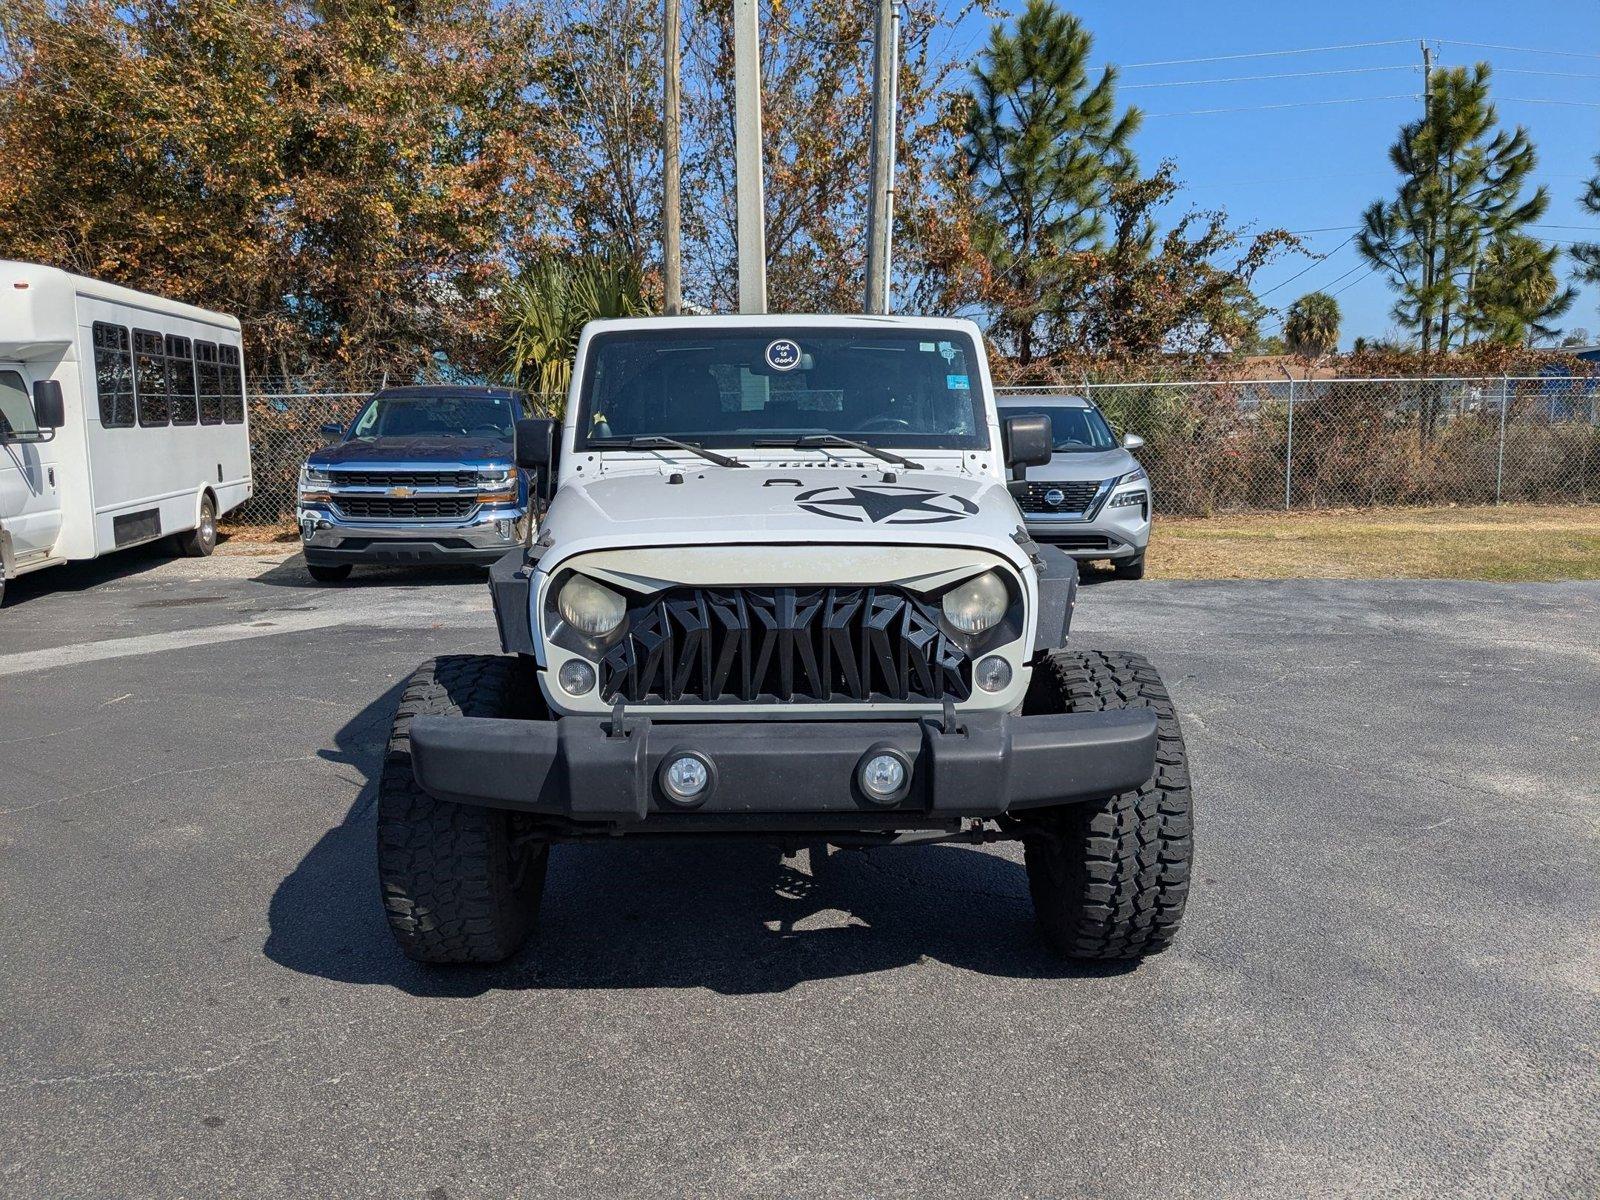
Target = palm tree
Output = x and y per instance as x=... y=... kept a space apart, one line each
x=1312 y=328
x=544 y=309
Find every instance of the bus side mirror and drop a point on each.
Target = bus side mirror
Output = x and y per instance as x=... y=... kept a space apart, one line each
x=1028 y=442
x=49 y=409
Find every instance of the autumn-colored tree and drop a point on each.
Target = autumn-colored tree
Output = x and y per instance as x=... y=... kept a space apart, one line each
x=349 y=177
x=1311 y=328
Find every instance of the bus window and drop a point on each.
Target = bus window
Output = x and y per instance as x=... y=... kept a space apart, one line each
x=113 y=375
x=150 y=377
x=232 y=385
x=209 y=375
x=180 y=380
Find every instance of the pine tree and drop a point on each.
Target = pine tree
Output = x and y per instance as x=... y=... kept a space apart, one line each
x=1461 y=193
x=1043 y=147
x=1587 y=254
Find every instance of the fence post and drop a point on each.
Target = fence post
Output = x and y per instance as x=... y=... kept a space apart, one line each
x=1288 y=452
x=1500 y=457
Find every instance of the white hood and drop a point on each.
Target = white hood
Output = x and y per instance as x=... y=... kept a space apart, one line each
x=754 y=505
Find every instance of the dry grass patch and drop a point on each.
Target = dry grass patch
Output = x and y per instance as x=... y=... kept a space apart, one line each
x=1508 y=543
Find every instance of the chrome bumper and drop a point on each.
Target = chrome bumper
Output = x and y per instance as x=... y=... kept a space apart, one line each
x=1120 y=532
x=481 y=537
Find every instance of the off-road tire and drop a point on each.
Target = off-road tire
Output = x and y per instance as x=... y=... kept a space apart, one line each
x=460 y=884
x=1110 y=877
x=332 y=573
x=200 y=541
x=1128 y=568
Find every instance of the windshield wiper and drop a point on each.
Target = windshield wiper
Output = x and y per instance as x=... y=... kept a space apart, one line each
x=666 y=443
x=844 y=443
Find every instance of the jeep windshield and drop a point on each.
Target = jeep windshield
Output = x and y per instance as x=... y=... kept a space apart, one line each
x=436 y=416
x=797 y=387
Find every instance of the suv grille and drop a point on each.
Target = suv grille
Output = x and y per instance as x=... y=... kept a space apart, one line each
x=1076 y=497
x=785 y=644
x=416 y=479
x=384 y=508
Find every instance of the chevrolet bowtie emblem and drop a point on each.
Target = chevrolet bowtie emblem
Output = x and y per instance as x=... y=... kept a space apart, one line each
x=400 y=493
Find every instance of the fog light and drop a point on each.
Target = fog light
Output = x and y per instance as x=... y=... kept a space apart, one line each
x=503 y=528
x=685 y=778
x=884 y=776
x=992 y=674
x=576 y=677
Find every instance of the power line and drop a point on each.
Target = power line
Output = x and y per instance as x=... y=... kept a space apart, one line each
x=1129 y=87
x=1182 y=62
x=1519 y=49
x=1534 y=100
x=1202 y=112
x=1316 y=263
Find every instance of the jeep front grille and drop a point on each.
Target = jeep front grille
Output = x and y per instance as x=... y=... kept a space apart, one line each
x=808 y=645
x=1040 y=496
x=385 y=508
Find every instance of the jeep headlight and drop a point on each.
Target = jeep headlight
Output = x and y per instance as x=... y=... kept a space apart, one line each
x=591 y=608
x=977 y=605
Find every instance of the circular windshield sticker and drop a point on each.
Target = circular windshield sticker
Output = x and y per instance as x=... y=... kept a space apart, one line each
x=783 y=355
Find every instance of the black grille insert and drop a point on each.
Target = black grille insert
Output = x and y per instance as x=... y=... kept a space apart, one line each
x=785 y=644
x=416 y=479
x=386 y=508
x=1075 y=497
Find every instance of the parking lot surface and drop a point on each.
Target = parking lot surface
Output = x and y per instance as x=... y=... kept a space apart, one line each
x=1389 y=980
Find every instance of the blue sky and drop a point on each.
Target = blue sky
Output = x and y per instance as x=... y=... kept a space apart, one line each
x=1314 y=167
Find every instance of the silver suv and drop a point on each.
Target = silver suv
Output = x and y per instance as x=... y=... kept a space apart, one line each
x=1093 y=498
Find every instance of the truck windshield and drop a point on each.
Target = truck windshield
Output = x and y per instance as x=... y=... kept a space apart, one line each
x=745 y=387
x=1071 y=428
x=434 y=416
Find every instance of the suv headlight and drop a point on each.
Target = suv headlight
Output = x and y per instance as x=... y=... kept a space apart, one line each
x=977 y=605
x=1131 y=489
x=593 y=609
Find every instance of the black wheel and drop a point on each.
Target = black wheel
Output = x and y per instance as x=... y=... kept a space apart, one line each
x=1110 y=877
x=460 y=883
x=334 y=573
x=200 y=541
x=1128 y=568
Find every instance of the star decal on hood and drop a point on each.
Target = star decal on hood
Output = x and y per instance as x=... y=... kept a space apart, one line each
x=884 y=505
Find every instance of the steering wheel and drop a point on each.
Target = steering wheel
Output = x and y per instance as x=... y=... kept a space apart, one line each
x=882 y=424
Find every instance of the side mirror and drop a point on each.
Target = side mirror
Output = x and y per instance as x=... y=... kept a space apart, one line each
x=1028 y=442
x=536 y=443
x=49 y=409
x=1132 y=441
x=332 y=429
x=536 y=452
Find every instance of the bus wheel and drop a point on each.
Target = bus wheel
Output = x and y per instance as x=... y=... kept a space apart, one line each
x=200 y=541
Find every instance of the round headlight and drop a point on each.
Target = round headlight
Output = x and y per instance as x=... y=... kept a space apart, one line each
x=978 y=604
x=590 y=608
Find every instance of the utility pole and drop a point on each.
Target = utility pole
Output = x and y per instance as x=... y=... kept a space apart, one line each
x=880 y=207
x=671 y=182
x=1427 y=262
x=751 y=228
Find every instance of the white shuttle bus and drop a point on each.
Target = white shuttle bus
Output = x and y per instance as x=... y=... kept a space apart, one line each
x=122 y=420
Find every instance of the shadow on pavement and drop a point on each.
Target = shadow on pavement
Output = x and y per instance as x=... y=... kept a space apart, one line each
x=81 y=576
x=734 y=917
x=291 y=573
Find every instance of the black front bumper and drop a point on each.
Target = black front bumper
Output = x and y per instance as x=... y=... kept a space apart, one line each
x=416 y=551
x=584 y=770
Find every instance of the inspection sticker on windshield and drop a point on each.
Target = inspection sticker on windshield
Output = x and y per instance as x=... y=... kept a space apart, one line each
x=783 y=355
x=957 y=383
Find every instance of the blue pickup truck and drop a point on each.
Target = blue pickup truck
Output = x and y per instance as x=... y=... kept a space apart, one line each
x=424 y=475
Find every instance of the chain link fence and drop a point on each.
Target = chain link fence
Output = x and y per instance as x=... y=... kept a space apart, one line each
x=1215 y=446
x=1230 y=446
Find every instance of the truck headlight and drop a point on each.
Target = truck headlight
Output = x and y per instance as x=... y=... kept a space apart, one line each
x=591 y=608
x=978 y=604
x=314 y=477
x=496 y=480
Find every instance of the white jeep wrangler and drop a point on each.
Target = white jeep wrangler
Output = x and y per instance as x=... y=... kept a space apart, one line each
x=782 y=591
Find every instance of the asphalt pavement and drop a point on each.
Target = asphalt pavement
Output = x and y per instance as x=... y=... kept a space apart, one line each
x=1388 y=983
